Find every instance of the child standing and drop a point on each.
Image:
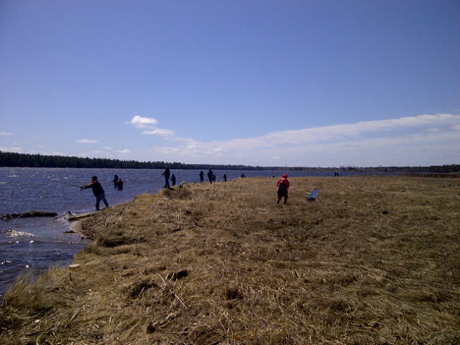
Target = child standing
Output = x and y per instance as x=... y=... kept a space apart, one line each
x=283 y=186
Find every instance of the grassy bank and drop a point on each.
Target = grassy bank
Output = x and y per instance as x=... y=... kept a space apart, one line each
x=374 y=261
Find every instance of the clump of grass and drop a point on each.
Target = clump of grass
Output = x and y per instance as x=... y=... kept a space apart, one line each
x=183 y=191
x=116 y=237
x=373 y=261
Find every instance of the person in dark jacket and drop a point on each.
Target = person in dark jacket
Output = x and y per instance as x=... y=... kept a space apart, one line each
x=98 y=192
x=210 y=173
x=167 y=175
x=201 y=176
x=115 y=181
x=120 y=184
x=283 y=186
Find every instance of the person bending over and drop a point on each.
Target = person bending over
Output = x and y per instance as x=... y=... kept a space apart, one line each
x=98 y=192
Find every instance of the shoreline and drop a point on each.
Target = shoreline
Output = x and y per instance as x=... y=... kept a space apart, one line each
x=373 y=261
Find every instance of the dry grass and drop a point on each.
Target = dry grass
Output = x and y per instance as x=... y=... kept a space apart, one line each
x=374 y=261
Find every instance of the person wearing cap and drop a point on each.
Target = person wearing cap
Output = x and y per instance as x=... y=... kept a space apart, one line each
x=283 y=186
x=98 y=192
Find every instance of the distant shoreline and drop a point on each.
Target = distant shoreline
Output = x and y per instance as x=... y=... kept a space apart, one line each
x=435 y=175
x=23 y=160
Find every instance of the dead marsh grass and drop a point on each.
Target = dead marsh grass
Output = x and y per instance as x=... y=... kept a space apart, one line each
x=373 y=261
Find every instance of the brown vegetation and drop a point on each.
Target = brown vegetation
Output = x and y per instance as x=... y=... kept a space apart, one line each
x=374 y=261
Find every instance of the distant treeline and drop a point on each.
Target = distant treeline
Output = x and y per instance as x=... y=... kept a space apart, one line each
x=417 y=170
x=12 y=159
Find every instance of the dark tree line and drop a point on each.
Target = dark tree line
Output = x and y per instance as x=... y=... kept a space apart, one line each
x=12 y=159
x=432 y=169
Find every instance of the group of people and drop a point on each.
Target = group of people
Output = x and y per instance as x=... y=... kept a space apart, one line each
x=211 y=176
x=117 y=182
x=282 y=184
x=99 y=193
x=167 y=175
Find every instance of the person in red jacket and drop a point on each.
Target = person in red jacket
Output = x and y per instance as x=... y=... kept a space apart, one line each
x=283 y=186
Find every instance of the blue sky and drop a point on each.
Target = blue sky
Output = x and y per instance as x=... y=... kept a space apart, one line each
x=271 y=83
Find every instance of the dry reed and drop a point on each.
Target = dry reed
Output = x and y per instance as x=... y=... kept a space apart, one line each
x=373 y=261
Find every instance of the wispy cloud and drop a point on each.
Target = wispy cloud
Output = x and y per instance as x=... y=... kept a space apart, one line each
x=159 y=131
x=340 y=133
x=149 y=126
x=5 y=133
x=12 y=149
x=87 y=141
x=417 y=140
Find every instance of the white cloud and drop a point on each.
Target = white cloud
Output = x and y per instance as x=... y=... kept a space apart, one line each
x=87 y=141
x=5 y=133
x=150 y=126
x=356 y=130
x=417 y=140
x=143 y=122
x=159 y=131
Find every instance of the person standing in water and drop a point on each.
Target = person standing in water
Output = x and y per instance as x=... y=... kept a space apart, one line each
x=115 y=181
x=98 y=192
x=120 y=184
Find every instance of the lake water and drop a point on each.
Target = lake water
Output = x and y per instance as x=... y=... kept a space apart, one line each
x=44 y=243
